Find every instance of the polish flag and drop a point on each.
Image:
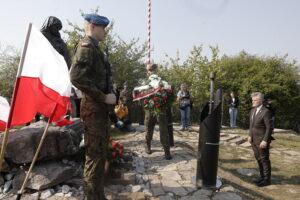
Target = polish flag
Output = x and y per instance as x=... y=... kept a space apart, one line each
x=43 y=83
x=4 y=111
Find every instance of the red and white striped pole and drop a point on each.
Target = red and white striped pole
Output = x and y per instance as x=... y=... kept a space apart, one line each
x=149 y=30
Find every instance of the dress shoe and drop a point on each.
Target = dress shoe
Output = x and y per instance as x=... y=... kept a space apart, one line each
x=256 y=181
x=264 y=183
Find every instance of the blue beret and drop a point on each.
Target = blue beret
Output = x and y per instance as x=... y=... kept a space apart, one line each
x=96 y=19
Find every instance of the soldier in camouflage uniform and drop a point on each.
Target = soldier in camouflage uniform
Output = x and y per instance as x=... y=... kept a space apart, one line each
x=151 y=120
x=89 y=74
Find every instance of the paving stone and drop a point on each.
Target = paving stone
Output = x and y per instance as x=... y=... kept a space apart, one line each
x=165 y=198
x=174 y=187
x=246 y=144
x=157 y=191
x=188 y=186
x=129 y=178
x=226 y=196
x=171 y=175
x=170 y=167
x=228 y=138
x=239 y=140
x=134 y=195
x=154 y=179
x=227 y=188
x=247 y=172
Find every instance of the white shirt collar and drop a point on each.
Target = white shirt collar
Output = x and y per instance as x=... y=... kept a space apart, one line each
x=258 y=108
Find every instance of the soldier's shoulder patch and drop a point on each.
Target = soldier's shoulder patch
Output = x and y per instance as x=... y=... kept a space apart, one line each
x=85 y=44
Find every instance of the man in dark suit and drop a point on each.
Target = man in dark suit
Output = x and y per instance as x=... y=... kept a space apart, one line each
x=260 y=137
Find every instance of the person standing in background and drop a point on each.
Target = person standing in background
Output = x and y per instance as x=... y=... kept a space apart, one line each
x=184 y=99
x=233 y=104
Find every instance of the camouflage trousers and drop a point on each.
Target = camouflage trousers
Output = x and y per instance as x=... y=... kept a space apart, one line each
x=150 y=121
x=96 y=144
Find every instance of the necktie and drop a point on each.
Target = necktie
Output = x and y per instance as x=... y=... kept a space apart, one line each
x=254 y=113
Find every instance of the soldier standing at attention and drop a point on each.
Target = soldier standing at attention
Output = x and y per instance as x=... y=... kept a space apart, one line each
x=150 y=121
x=89 y=74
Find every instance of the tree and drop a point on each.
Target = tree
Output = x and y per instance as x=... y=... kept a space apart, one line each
x=9 y=60
x=276 y=77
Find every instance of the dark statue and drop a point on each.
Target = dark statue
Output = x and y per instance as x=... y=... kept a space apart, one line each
x=50 y=30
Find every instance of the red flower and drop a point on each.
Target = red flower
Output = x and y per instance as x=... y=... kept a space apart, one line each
x=114 y=144
x=165 y=97
x=157 y=106
x=171 y=91
x=155 y=99
x=114 y=153
x=162 y=89
x=146 y=101
x=110 y=140
x=120 y=151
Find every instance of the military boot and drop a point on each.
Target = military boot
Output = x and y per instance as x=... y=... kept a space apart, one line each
x=148 y=147
x=167 y=154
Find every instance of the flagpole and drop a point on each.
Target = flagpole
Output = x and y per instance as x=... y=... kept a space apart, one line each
x=35 y=155
x=8 y=124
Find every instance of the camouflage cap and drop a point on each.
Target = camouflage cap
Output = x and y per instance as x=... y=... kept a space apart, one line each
x=96 y=19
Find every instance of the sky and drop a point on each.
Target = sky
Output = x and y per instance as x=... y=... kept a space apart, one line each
x=259 y=27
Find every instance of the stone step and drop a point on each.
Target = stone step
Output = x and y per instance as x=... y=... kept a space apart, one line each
x=227 y=138
x=239 y=140
x=246 y=144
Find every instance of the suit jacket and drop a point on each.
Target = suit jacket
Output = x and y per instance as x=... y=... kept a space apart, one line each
x=260 y=126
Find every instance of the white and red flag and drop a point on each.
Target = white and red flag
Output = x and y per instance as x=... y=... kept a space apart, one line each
x=43 y=83
x=4 y=111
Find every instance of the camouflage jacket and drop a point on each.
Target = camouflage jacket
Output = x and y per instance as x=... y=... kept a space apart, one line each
x=88 y=72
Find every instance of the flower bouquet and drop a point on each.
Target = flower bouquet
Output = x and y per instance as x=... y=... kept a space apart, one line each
x=115 y=151
x=155 y=95
x=159 y=101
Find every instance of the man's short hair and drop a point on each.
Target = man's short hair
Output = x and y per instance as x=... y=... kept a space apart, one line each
x=258 y=94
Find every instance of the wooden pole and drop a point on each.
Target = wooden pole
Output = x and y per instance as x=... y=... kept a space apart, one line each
x=14 y=96
x=35 y=156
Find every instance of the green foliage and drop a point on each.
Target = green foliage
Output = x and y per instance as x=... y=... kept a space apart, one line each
x=9 y=60
x=276 y=77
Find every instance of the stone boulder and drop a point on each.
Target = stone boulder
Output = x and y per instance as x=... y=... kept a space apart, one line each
x=59 y=142
x=45 y=175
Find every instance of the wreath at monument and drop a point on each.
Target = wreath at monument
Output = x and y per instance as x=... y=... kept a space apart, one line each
x=155 y=96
